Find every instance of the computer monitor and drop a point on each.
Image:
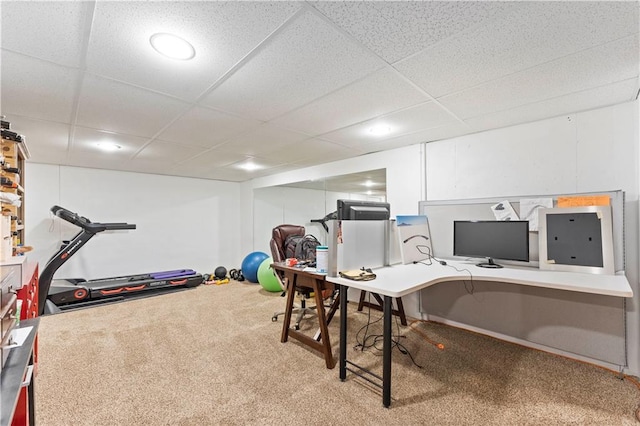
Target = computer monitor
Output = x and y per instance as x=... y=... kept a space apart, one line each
x=363 y=210
x=492 y=239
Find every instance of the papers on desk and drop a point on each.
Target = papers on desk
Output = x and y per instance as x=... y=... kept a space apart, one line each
x=358 y=274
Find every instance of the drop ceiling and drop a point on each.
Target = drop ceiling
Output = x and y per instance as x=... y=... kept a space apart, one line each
x=286 y=85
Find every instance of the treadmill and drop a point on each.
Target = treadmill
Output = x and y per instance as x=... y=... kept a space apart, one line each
x=65 y=294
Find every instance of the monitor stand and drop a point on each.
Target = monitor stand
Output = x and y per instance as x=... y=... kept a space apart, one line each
x=489 y=264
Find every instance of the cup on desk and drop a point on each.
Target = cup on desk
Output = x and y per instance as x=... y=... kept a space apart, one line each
x=322 y=259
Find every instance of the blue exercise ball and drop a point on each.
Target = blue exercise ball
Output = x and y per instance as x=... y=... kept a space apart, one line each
x=250 y=265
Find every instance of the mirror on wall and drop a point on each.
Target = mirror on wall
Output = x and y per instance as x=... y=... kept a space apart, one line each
x=299 y=203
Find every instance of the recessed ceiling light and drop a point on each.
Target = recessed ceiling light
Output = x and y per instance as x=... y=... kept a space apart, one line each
x=249 y=166
x=172 y=46
x=108 y=146
x=369 y=183
x=380 y=130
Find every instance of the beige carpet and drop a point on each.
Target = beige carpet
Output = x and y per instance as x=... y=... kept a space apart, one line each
x=212 y=356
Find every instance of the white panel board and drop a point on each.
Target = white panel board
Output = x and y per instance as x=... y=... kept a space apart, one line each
x=526 y=159
x=606 y=149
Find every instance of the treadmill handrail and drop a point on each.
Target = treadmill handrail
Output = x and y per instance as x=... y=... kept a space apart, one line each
x=86 y=224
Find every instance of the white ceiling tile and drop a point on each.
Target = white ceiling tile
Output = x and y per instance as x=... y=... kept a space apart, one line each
x=260 y=163
x=536 y=33
x=46 y=141
x=151 y=167
x=210 y=159
x=264 y=139
x=233 y=174
x=205 y=127
x=225 y=174
x=221 y=33
x=216 y=164
x=164 y=153
x=305 y=61
x=429 y=135
x=316 y=150
x=410 y=120
x=395 y=30
x=108 y=105
x=615 y=61
x=37 y=89
x=378 y=94
x=610 y=94
x=64 y=22
x=85 y=152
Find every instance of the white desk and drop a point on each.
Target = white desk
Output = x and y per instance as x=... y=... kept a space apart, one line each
x=400 y=280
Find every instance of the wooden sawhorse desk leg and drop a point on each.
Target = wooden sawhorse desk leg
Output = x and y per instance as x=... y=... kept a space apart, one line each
x=288 y=309
x=332 y=311
x=324 y=346
x=399 y=312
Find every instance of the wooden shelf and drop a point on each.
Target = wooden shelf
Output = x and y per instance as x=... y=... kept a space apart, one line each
x=15 y=154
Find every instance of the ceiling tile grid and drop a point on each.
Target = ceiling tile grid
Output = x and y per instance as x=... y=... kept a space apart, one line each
x=305 y=61
x=288 y=84
x=206 y=127
x=310 y=152
x=263 y=140
x=377 y=94
x=63 y=23
x=111 y=105
x=37 y=89
x=221 y=33
x=535 y=33
x=584 y=100
x=85 y=140
x=395 y=30
x=433 y=134
x=87 y=153
x=409 y=120
x=210 y=159
x=605 y=64
x=164 y=153
x=160 y=157
x=46 y=140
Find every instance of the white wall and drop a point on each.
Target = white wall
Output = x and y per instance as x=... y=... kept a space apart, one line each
x=279 y=205
x=181 y=222
x=582 y=152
